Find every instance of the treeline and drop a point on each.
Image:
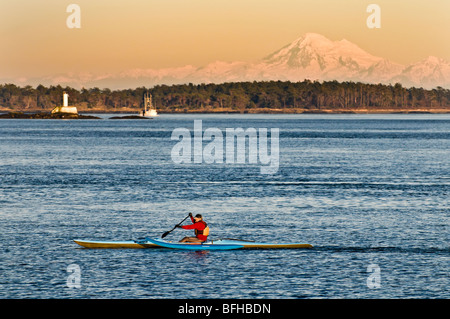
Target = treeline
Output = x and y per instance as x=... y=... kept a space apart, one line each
x=239 y=96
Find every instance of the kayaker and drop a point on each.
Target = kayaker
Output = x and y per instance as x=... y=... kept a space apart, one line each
x=200 y=227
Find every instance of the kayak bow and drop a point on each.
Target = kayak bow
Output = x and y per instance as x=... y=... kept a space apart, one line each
x=256 y=245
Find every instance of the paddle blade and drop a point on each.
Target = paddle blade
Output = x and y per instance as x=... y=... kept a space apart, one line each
x=165 y=234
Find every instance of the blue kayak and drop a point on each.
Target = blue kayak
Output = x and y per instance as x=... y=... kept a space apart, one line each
x=224 y=244
x=194 y=246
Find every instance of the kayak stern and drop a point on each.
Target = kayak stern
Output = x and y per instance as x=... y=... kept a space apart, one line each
x=113 y=244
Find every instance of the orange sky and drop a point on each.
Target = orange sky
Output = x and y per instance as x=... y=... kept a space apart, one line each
x=117 y=35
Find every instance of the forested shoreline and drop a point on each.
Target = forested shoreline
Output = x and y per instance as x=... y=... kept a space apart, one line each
x=243 y=97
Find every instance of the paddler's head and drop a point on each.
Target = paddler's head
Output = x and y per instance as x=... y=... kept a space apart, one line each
x=198 y=218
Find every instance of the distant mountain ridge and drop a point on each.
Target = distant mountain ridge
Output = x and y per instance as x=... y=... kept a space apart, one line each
x=312 y=56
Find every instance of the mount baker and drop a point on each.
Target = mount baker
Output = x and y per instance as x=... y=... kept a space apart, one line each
x=312 y=57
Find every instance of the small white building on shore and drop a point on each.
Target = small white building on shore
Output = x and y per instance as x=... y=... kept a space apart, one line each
x=65 y=108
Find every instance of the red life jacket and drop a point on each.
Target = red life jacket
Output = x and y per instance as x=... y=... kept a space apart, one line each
x=200 y=234
x=204 y=231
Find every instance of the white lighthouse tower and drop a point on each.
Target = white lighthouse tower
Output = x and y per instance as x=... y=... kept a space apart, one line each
x=65 y=99
x=65 y=108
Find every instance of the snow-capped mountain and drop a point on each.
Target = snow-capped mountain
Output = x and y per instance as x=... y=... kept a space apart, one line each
x=316 y=53
x=315 y=57
x=312 y=56
x=428 y=73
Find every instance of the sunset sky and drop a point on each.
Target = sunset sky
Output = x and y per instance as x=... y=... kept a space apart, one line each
x=117 y=35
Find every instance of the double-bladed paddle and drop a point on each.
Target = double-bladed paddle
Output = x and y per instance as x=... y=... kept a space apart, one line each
x=168 y=232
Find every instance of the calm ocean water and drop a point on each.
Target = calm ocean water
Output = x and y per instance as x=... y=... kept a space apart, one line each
x=370 y=192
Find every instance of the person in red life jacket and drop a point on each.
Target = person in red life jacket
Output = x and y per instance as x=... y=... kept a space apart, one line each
x=201 y=230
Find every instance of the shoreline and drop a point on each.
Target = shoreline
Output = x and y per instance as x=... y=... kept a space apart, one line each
x=318 y=111
x=46 y=116
x=41 y=114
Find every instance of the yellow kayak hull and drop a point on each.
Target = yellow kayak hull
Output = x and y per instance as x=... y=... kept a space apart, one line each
x=113 y=244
